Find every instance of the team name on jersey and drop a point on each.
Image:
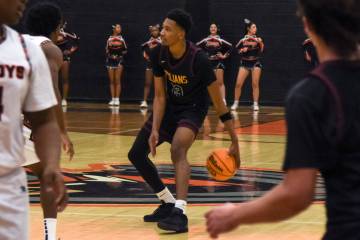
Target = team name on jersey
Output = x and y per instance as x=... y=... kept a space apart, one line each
x=177 y=79
x=12 y=71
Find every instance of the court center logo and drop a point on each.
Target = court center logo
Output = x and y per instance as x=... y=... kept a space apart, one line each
x=117 y=184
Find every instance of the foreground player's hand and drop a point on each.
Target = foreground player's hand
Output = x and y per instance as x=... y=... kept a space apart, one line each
x=221 y=219
x=153 y=141
x=53 y=181
x=68 y=146
x=234 y=150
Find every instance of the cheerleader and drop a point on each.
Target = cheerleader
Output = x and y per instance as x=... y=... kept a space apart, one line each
x=217 y=49
x=250 y=48
x=115 y=50
x=146 y=48
x=68 y=43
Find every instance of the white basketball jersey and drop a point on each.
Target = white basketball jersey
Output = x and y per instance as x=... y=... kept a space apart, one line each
x=25 y=85
x=38 y=40
x=29 y=153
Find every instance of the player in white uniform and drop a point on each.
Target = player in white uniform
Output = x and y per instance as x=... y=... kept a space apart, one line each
x=44 y=22
x=25 y=86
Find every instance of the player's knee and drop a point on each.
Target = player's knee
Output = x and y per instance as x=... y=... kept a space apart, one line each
x=178 y=153
x=135 y=155
x=132 y=155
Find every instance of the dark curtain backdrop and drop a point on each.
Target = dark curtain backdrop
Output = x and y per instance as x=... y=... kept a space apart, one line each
x=91 y=20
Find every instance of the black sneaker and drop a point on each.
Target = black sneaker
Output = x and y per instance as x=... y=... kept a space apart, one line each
x=162 y=212
x=177 y=221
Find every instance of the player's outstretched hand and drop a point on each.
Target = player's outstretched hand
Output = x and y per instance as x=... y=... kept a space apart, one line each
x=221 y=219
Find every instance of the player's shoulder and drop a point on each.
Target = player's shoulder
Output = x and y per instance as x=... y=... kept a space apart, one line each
x=33 y=48
x=52 y=51
x=36 y=39
x=201 y=58
x=309 y=89
x=11 y=33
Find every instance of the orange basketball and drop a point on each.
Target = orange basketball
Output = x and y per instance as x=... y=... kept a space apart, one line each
x=221 y=165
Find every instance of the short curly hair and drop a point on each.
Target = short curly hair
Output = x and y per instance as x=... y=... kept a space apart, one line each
x=336 y=21
x=43 y=19
x=182 y=18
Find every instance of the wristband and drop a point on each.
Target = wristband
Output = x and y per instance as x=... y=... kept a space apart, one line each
x=225 y=117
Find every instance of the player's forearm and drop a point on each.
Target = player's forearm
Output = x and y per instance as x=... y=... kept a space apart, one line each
x=59 y=115
x=158 y=112
x=47 y=144
x=222 y=110
x=229 y=126
x=278 y=204
x=219 y=105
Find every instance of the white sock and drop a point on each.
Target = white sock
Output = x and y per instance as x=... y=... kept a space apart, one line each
x=256 y=104
x=236 y=102
x=166 y=196
x=181 y=204
x=117 y=99
x=50 y=228
x=113 y=99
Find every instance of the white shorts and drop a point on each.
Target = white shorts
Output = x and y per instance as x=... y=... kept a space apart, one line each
x=14 y=206
x=29 y=152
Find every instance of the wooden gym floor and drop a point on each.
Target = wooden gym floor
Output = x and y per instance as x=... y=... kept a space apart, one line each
x=108 y=198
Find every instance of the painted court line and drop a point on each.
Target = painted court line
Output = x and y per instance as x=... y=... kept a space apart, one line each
x=141 y=216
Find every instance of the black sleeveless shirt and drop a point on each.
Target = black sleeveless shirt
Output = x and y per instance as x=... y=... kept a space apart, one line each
x=186 y=78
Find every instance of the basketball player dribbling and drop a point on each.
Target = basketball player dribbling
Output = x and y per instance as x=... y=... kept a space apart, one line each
x=186 y=72
x=25 y=86
x=43 y=22
x=323 y=121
